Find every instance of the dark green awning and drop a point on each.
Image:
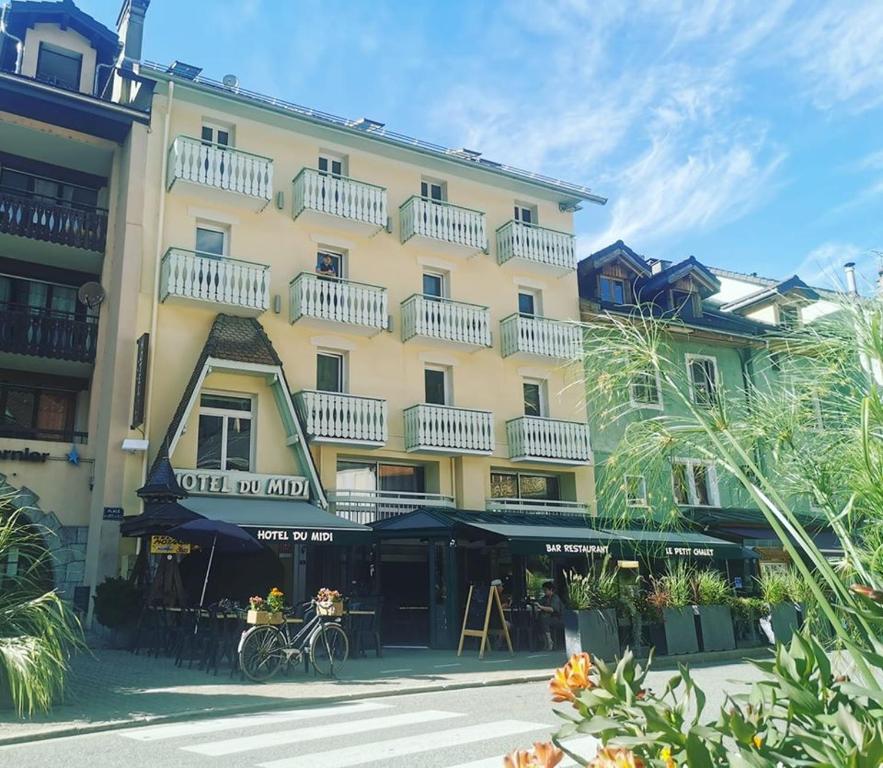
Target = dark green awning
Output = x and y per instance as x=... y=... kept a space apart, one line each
x=530 y=538
x=674 y=544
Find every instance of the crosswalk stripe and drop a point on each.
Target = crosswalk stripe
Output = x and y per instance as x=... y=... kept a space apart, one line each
x=409 y=745
x=174 y=730
x=585 y=746
x=317 y=732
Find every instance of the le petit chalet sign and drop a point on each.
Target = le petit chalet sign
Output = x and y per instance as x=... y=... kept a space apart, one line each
x=214 y=482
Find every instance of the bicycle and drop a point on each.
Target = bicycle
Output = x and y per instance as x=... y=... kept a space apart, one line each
x=263 y=649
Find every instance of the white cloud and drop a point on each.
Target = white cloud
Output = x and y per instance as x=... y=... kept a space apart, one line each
x=823 y=266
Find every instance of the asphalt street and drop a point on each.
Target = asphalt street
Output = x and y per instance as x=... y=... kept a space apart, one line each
x=447 y=729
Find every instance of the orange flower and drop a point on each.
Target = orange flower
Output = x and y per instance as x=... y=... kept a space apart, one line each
x=615 y=757
x=578 y=669
x=520 y=758
x=543 y=755
x=559 y=687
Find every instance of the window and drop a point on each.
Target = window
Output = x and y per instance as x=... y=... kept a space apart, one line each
x=694 y=483
x=645 y=390
x=703 y=380
x=514 y=485
x=528 y=303
x=217 y=134
x=59 y=66
x=225 y=432
x=612 y=289
x=37 y=413
x=330 y=372
x=534 y=395
x=789 y=316
x=684 y=303
x=432 y=190
x=329 y=263
x=46 y=189
x=635 y=487
x=525 y=214
x=436 y=385
x=211 y=239
x=434 y=285
x=372 y=476
x=331 y=164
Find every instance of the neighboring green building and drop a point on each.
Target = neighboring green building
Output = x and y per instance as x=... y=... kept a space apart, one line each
x=719 y=343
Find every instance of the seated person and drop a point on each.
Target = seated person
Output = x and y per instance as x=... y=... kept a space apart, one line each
x=550 y=612
x=326 y=266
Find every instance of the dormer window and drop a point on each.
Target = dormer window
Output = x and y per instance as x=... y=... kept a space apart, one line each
x=59 y=66
x=611 y=289
x=683 y=302
x=789 y=316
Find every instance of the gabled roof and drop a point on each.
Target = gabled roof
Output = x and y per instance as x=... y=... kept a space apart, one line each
x=691 y=267
x=617 y=251
x=793 y=286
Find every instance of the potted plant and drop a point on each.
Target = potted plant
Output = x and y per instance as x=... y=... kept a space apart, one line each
x=713 y=595
x=775 y=592
x=329 y=602
x=590 y=623
x=673 y=625
x=266 y=610
x=118 y=605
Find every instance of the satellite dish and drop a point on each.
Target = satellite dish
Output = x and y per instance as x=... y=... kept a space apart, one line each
x=230 y=81
x=91 y=294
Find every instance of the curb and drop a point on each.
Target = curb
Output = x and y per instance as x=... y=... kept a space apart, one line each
x=660 y=663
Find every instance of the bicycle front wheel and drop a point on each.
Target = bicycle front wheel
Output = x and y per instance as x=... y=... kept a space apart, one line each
x=329 y=649
x=261 y=653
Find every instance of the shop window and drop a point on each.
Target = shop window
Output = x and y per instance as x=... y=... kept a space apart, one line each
x=330 y=369
x=225 y=432
x=694 y=483
x=37 y=413
x=516 y=485
x=59 y=66
x=611 y=289
x=635 y=491
x=645 y=390
x=703 y=380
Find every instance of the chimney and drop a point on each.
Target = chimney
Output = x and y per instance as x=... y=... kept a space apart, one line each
x=851 y=287
x=130 y=27
x=880 y=284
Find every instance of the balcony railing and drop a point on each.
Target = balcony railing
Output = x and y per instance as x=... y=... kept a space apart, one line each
x=532 y=438
x=538 y=506
x=339 y=418
x=369 y=506
x=443 y=222
x=46 y=333
x=445 y=320
x=338 y=301
x=340 y=196
x=446 y=429
x=546 y=247
x=215 y=279
x=220 y=167
x=539 y=337
x=55 y=221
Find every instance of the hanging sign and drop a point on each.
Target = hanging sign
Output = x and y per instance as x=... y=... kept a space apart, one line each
x=142 y=348
x=215 y=482
x=166 y=545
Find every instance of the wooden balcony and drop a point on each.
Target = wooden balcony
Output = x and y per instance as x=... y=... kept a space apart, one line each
x=46 y=333
x=54 y=221
x=227 y=174
x=526 y=336
x=347 y=203
x=241 y=287
x=370 y=506
x=334 y=417
x=544 y=249
x=548 y=441
x=448 y=430
x=442 y=226
x=445 y=322
x=362 y=308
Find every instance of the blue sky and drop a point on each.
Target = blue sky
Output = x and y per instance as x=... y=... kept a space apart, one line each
x=745 y=133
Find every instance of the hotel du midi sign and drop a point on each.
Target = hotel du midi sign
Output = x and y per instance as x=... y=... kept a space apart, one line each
x=215 y=482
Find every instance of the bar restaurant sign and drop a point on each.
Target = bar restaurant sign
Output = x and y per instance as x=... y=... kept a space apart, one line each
x=216 y=482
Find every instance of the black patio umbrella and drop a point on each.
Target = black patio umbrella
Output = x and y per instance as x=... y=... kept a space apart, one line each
x=223 y=537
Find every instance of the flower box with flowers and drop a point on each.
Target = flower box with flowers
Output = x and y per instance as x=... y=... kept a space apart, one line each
x=266 y=610
x=329 y=602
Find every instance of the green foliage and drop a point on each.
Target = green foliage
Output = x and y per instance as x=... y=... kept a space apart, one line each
x=38 y=630
x=535 y=582
x=711 y=587
x=596 y=590
x=748 y=608
x=774 y=586
x=117 y=603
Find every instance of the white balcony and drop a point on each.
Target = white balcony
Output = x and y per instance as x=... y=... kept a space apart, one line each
x=241 y=287
x=525 y=336
x=330 y=301
x=443 y=226
x=334 y=417
x=538 y=506
x=369 y=506
x=448 y=430
x=548 y=441
x=445 y=322
x=350 y=204
x=545 y=249
x=225 y=173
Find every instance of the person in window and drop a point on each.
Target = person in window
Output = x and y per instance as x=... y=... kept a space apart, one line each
x=550 y=612
x=326 y=266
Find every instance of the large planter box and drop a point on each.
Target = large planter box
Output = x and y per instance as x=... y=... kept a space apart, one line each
x=595 y=632
x=679 y=626
x=716 y=628
x=264 y=617
x=784 y=618
x=747 y=634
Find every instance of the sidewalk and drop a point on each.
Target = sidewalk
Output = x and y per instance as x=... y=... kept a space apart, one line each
x=115 y=689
